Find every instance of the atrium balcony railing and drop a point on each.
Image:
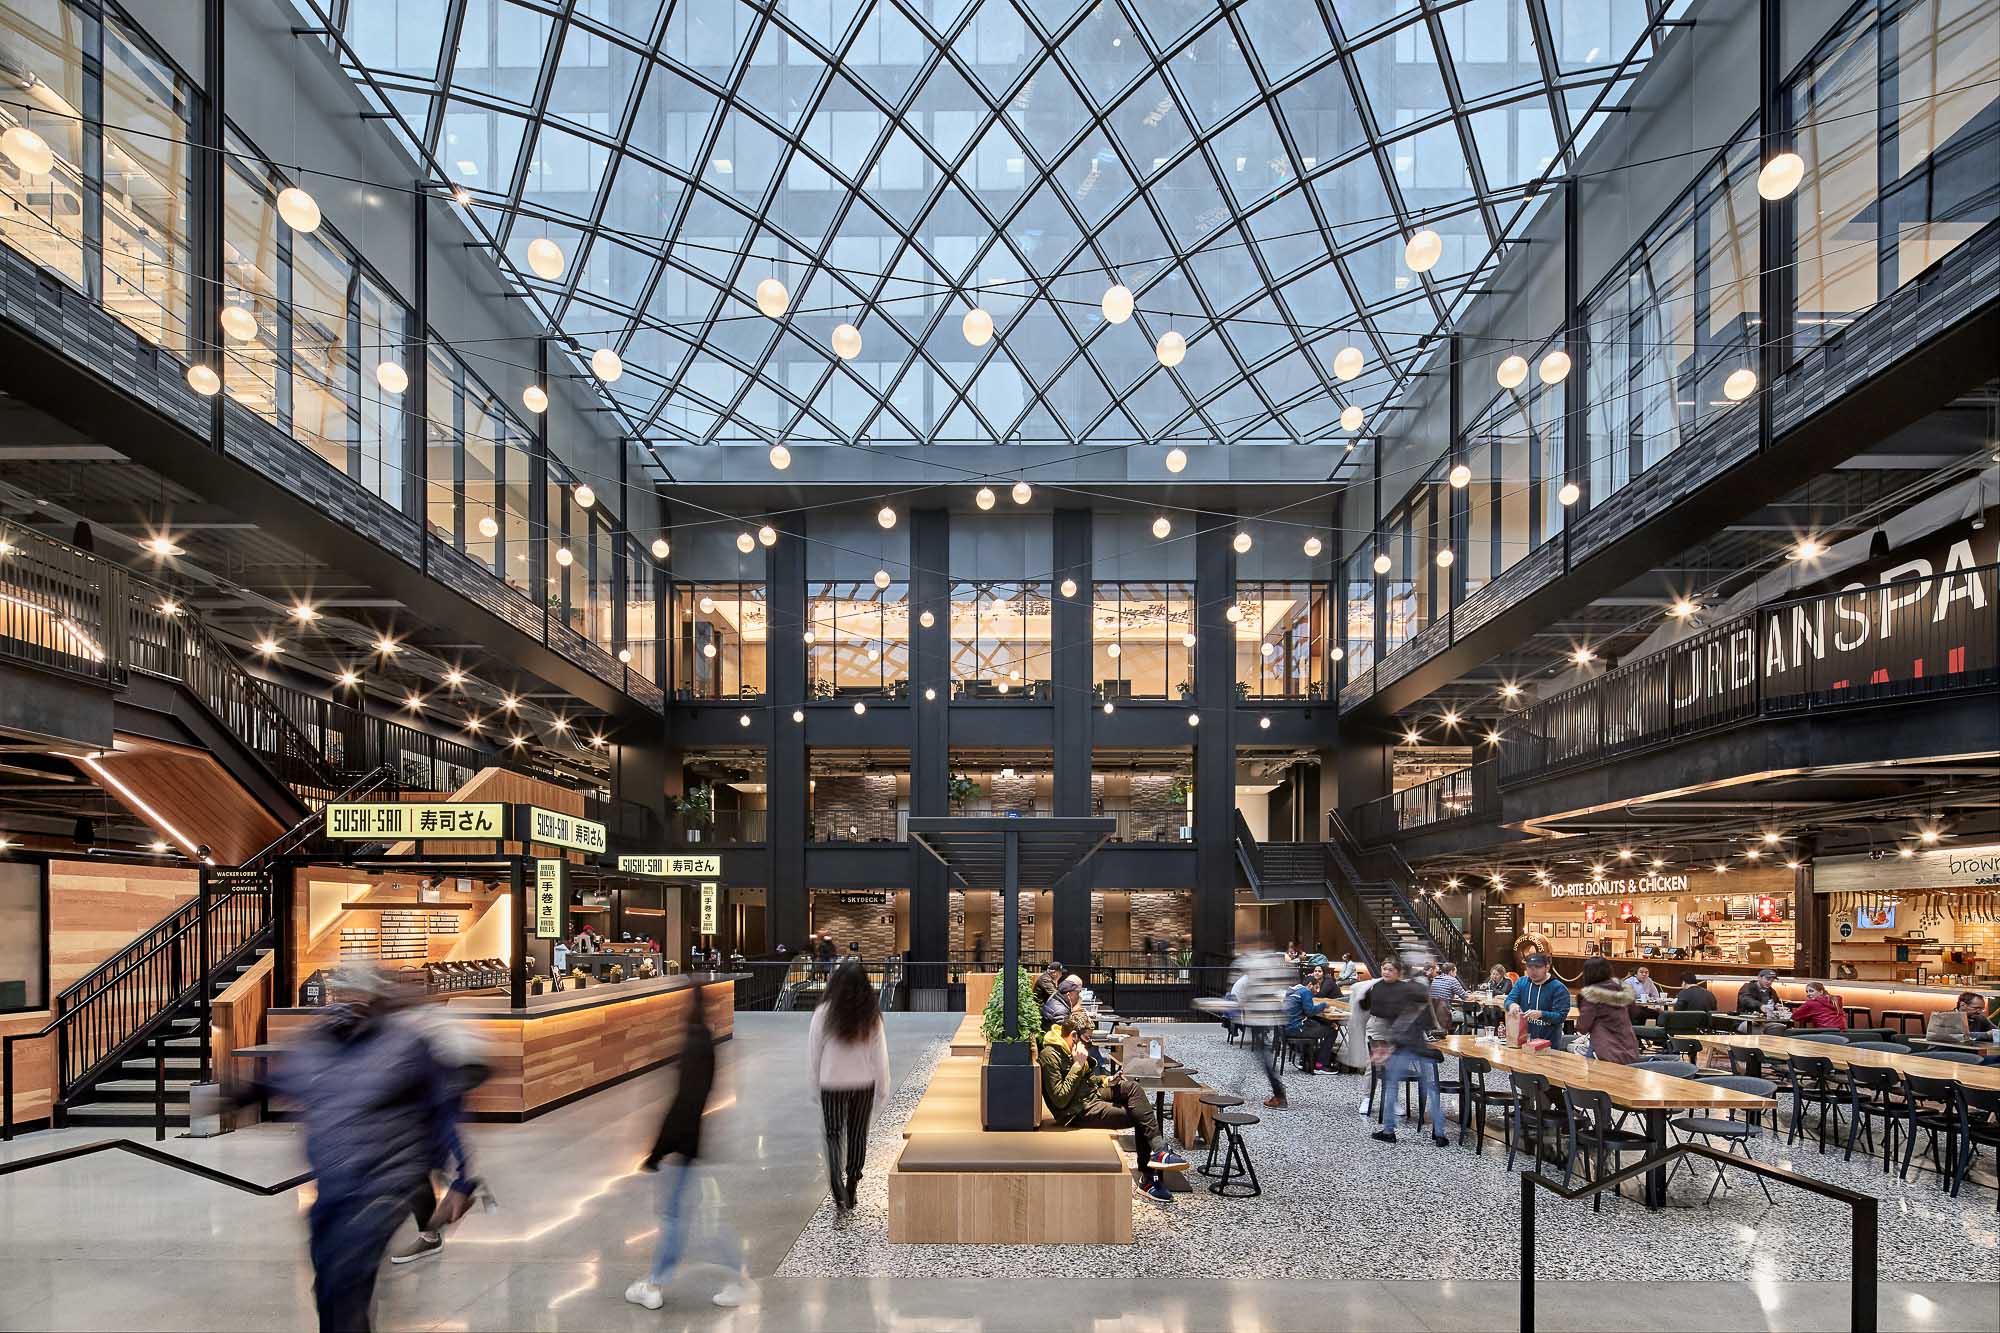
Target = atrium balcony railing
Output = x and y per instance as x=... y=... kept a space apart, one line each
x=60 y=608
x=723 y=828
x=1470 y=793
x=1911 y=639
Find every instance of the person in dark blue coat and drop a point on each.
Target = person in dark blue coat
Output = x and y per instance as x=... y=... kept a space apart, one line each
x=376 y=1106
x=1543 y=997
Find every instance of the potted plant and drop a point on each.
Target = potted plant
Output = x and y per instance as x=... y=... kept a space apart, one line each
x=696 y=807
x=579 y=978
x=535 y=986
x=1009 y=1081
x=961 y=789
x=617 y=973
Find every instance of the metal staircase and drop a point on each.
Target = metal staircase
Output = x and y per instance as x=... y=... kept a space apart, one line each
x=1405 y=919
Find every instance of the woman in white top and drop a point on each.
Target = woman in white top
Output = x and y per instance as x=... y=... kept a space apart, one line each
x=847 y=1060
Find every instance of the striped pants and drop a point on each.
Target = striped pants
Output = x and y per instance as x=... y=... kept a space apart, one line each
x=846 y=1112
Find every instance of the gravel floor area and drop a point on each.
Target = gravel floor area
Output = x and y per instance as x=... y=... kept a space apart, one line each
x=1336 y=1205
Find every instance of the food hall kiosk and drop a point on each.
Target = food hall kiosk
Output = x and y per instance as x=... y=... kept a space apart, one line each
x=1679 y=923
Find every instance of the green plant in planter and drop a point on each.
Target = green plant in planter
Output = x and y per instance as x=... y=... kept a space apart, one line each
x=697 y=806
x=992 y=1024
x=961 y=789
x=579 y=978
x=617 y=972
x=1182 y=788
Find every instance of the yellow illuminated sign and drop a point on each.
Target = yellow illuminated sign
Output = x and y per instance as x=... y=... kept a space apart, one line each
x=397 y=821
x=671 y=864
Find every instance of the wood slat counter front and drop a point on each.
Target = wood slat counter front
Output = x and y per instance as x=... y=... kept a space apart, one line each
x=565 y=1046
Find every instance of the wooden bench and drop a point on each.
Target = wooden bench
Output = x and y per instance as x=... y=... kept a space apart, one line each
x=970 y=1039
x=974 y=1188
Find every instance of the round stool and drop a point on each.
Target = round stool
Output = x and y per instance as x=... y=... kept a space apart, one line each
x=1238 y=1179
x=1221 y=1101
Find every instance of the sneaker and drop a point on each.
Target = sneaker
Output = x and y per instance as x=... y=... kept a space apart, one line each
x=1156 y=1192
x=1440 y=1140
x=734 y=1294
x=1166 y=1159
x=426 y=1244
x=1275 y=1103
x=1383 y=1136
x=645 y=1293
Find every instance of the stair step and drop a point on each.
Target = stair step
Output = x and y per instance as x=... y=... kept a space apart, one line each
x=176 y=1064
x=128 y=1090
x=121 y=1114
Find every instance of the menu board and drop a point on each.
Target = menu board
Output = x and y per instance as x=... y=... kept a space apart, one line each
x=710 y=909
x=551 y=893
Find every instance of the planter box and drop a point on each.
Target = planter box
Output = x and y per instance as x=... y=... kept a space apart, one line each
x=1009 y=1085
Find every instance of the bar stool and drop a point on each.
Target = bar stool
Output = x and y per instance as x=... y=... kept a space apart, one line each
x=1857 y=1015
x=1903 y=1018
x=1221 y=1101
x=1238 y=1179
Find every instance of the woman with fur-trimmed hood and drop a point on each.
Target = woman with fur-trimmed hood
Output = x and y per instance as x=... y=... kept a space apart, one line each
x=1604 y=1011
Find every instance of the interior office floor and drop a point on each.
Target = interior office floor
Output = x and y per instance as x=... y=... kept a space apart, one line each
x=1349 y=1233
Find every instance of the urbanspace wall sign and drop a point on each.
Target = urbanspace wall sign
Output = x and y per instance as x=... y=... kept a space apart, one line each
x=670 y=865
x=1887 y=871
x=551 y=897
x=401 y=821
x=553 y=828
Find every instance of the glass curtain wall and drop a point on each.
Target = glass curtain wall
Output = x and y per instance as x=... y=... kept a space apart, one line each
x=1358 y=589
x=1143 y=640
x=860 y=639
x=107 y=207
x=1000 y=639
x=1514 y=451
x=720 y=634
x=1280 y=635
x=642 y=613
x=478 y=473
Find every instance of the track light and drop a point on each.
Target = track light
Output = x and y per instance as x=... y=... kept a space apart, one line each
x=1681 y=609
x=386 y=646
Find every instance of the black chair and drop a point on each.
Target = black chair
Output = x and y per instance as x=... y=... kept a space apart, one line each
x=1671 y=1068
x=1590 y=1122
x=1679 y=1022
x=1683 y=1048
x=1536 y=1113
x=1956 y=1057
x=1650 y=1034
x=1891 y=1047
x=1735 y=1134
x=1413 y=1104
x=1221 y=1101
x=1472 y=1073
x=1978 y=1124
x=1872 y=1094
x=1903 y=1020
x=1238 y=1178
x=1746 y=1062
x=1827 y=1035
x=1815 y=1082
x=1932 y=1107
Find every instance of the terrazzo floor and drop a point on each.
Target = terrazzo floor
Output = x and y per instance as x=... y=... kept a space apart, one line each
x=1338 y=1205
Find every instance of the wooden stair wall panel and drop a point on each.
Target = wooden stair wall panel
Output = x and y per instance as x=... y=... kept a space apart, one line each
x=34 y=1067
x=498 y=785
x=237 y=1020
x=194 y=793
x=97 y=908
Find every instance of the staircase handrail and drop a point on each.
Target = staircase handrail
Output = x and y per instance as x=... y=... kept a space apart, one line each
x=1246 y=852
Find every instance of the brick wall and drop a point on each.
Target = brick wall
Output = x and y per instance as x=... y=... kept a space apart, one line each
x=864 y=801
x=879 y=927
x=1015 y=793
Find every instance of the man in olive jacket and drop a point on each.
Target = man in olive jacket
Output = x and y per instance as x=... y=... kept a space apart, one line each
x=1077 y=1098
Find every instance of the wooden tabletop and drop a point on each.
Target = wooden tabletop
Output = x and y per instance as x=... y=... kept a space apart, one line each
x=1633 y=1089
x=1781 y=1048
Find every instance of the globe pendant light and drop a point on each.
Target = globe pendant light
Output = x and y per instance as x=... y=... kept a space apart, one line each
x=927 y=620
x=28 y=150
x=1352 y=417
x=1117 y=303
x=535 y=399
x=977 y=326
x=773 y=299
x=584 y=496
x=1511 y=372
x=1242 y=543
x=1555 y=367
x=238 y=323
x=1444 y=558
x=392 y=377
x=767 y=535
x=846 y=341
x=661 y=550
x=1781 y=176
x=606 y=364
x=1347 y=363
x=203 y=380
x=1382 y=562
x=488 y=526
x=1742 y=382
x=298 y=209
x=781 y=457
x=545 y=258
x=1233 y=614
x=1312 y=547
x=1569 y=494
x=745 y=542
x=1267 y=649
x=1161 y=528
x=1176 y=459
x=886 y=517
x=1423 y=250
x=1114 y=651
x=1172 y=349
x=1187 y=640
x=984 y=497
x=881 y=578
x=1069 y=587
x=565 y=557
x=1460 y=475
x=1023 y=492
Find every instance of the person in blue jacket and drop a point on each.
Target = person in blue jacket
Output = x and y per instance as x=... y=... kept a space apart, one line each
x=1302 y=1019
x=1544 y=998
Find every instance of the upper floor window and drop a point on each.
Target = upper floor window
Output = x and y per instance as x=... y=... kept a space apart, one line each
x=1142 y=640
x=1000 y=640
x=1280 y=634
x=721 y=633
x=860 y=639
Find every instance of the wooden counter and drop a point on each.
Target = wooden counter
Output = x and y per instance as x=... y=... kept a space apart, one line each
x=1670 y=973
x=563 y=1046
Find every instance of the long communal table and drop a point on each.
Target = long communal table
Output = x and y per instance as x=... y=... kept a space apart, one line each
x=1783 y=1048
x=1653 y=1095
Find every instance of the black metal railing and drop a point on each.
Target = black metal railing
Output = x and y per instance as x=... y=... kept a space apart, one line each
x=1470 y=793
x=723 y=828
x=59 y=607
x=1863 y=1253
x=1911 y=639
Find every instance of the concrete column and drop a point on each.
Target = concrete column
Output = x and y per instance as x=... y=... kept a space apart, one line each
x=1214 y=739
x=1070 y=672
x=785 y=782
x=930 y=746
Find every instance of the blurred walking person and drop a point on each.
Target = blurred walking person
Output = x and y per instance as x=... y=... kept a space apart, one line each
x=1261 y=992
x=847 y=1062
x=375 y=1102
x=679 y=1139
x=463 y=1063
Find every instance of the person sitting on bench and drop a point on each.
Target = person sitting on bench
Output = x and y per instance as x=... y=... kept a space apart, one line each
x=1078 y=1099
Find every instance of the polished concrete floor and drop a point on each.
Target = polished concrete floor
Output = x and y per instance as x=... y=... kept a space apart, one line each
x=112 y=1242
